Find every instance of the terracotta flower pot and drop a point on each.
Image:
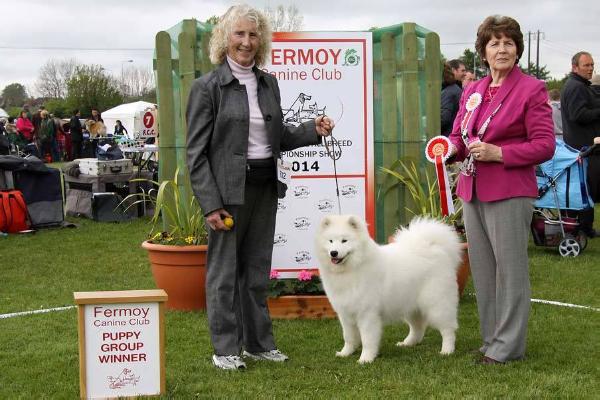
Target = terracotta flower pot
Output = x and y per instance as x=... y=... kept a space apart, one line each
x=181 y=272
x=464 y=270
x=301 y=307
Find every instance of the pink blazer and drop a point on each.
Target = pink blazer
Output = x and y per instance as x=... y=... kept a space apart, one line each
x=522 y=127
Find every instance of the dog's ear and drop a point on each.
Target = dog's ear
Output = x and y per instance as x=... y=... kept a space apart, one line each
x=325 y=222
x=354 y=222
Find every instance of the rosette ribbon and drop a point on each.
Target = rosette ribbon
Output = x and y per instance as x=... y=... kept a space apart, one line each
x=437 y=151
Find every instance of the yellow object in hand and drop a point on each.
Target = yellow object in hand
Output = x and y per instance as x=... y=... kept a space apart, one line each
x=228 y=221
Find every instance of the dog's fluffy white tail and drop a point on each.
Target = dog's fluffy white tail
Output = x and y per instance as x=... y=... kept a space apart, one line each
x=430 y=235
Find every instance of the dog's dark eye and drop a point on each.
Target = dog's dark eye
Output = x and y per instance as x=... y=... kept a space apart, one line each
x=344 y=240
x=330 y=241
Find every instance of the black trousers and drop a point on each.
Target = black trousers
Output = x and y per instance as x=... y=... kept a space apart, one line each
x=75 y=149
x=238 y=267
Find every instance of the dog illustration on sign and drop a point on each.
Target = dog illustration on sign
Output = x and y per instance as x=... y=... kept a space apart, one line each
x=300 y=112
x=125 y=378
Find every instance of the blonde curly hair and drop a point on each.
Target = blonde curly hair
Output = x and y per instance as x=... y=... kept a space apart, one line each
x=220 y=34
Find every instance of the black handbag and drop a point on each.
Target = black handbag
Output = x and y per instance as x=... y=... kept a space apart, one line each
x=111 y=153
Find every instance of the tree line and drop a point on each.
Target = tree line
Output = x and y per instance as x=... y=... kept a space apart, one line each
x=65 y=85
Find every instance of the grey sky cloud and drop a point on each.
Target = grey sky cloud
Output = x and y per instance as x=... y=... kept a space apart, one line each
x=33 y=31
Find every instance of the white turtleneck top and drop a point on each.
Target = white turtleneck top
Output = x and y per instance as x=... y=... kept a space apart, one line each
x=258 y=141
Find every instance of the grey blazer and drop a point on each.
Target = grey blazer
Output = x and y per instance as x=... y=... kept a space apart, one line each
x=218 y=121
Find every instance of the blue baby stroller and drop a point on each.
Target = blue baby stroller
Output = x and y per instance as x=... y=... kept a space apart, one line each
x=562 y=186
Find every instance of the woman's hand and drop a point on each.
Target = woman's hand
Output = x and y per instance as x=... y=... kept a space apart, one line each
x=485 y=151
x=215 y=220
x=324 y=125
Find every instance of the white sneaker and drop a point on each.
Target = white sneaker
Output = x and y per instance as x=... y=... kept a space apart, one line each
x=228 y=362
x=273 y=355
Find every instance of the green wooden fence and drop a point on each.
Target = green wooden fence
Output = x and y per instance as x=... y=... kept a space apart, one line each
x=407 y=80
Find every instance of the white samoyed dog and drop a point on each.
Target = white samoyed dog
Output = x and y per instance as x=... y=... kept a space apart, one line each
x=412 y=279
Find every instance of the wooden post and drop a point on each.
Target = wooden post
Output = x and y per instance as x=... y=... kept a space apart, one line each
x=166 y=108
x=187 y=74
x=121 y=343
x=391 y=133
x=411 y=116
x=433 y=85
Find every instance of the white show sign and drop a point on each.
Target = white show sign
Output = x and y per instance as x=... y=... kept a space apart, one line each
x=324 y=73
x=121 y=343
x=149 y=124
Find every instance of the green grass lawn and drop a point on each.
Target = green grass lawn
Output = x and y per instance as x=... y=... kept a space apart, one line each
x=39 y=354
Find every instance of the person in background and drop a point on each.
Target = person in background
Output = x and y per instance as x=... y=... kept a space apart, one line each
x=595 y=86
x=25 y=127
x=36 y=119
x=594 y=159
x=468 y=79
x=554 y=95
x=76 y=134
x=45 y=137
x=60 y=139
x=96 y=131
x=5 y=146
x=26 y=109
x=502 y=131
x=459 y=70
x=581 y=122
x=10 y=126
x=96 y=116
x=451 y=93
x=235 y=138
x=119 y=128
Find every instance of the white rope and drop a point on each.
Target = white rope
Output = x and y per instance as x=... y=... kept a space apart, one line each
x=558 y=303
x=47 y=310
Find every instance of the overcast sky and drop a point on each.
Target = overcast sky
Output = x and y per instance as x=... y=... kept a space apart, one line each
x=110 y=32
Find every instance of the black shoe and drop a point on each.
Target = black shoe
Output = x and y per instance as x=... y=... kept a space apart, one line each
x=590 y=233
x=485 y=360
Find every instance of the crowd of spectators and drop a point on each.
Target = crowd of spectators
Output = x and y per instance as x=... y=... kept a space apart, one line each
x=44 y=135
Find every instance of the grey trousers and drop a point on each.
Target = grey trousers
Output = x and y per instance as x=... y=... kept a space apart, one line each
x=238 y=267
x=498 y=233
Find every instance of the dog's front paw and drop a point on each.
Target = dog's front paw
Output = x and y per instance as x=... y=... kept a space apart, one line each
x=365 y=359
x=345 y=352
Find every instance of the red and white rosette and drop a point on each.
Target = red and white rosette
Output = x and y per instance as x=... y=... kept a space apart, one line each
x=473 y=102
x=437 y=151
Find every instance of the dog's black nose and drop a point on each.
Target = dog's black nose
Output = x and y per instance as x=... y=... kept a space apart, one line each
x=333 y=253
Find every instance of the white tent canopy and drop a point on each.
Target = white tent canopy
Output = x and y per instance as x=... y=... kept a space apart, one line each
x=130 y=115
x=3 y=114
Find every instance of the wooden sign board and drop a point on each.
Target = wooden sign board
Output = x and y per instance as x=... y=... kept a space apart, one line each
x=121 y=343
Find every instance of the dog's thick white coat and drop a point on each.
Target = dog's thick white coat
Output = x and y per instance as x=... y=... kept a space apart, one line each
x=412 y=279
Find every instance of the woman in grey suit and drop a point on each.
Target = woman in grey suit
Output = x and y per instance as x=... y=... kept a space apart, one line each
x=235 y=136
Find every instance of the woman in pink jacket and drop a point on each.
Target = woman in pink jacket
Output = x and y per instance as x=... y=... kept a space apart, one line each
x=502 y=131
x=24 y=126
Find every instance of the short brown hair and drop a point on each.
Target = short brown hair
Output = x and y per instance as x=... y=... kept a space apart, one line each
x=448 y=76
x=577 y=56
x=494 y=26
